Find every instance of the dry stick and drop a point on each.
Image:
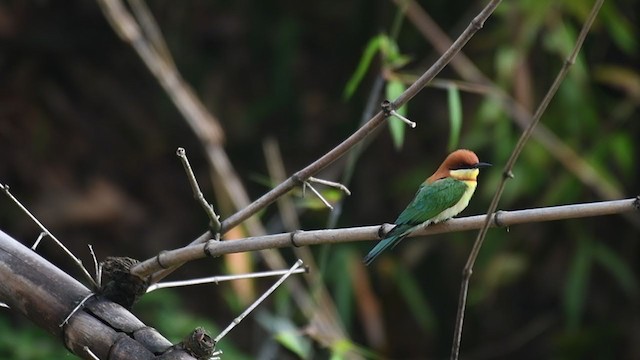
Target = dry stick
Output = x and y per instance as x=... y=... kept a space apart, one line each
x=355 y=138
x=220 y=278
x=363 y=233
x=197 y=194
x=507 y=174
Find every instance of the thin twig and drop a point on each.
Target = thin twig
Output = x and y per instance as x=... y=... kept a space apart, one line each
x=345 y=235
x=317 y=193
x=221 y=278
x=75 y=309
x=97 y=267
x=412 y=124
x=507 y=174
x=333 y=184
x=5 y=189
x=255 y=304
x=197 y=194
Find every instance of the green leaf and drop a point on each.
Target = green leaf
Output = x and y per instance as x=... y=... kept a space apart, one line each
x=620 y=29
x=391 y=59
x=344 y=349
x=396 y=126
x=617 y=267
x=286 y=333
x=294 y=342
x=365 y=61
x=455 y=117
x=575 y=290
x=418 y=304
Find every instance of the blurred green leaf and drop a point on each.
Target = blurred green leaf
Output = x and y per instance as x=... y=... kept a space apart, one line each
x=617 y=267
x=293 y=341
x=620 y=29
x=341 y=349
x=286 y=333
x=575 y=290
x=623 y=152
x=412 y=294
x=391 y=59
x=503 y=269
x=365 y=61
x=396 y=126
x=506 y=58
x=455 y=117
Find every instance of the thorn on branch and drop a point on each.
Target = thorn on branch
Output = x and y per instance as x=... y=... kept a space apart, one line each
x=333 y=184
x=323 y=182
x=508 y=174
x=636 y=202
x=317 y=193
x=389 y=110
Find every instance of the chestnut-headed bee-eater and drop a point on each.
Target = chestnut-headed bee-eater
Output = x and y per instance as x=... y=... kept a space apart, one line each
x=442 y=196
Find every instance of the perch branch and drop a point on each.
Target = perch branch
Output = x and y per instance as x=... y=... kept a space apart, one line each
x=345 y=235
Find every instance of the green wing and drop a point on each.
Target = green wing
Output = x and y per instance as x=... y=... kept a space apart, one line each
x=429 y=201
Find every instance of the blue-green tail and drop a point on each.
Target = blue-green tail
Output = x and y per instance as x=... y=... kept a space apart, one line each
x=392 y=238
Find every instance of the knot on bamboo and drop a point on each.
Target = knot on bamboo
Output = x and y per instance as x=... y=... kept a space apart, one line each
x=199 y=344
x=118 y=284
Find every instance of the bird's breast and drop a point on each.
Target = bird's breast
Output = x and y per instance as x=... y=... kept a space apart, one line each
x=459 y=206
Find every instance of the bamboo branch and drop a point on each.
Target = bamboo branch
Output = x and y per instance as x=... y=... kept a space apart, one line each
x=46 y=295
x=363 y=233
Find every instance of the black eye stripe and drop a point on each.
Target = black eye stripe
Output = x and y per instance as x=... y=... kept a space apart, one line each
x=463 y=167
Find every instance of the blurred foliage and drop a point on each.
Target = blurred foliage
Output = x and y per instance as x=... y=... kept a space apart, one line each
x=84 y=125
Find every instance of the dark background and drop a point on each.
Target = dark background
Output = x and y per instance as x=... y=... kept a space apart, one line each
x=88 y=141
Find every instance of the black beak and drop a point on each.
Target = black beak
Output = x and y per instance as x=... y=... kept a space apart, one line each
x=482 y=165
